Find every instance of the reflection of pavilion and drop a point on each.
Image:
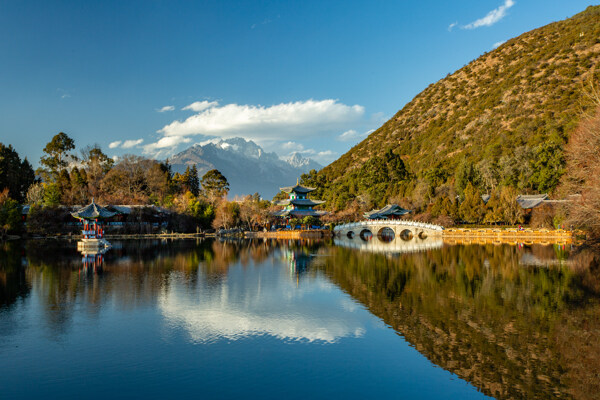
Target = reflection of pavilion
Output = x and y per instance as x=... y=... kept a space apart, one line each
x=299 y=262
x=93 y=260
x=383 y=245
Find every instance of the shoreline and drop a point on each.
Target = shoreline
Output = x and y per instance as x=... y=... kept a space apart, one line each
x=451 y=234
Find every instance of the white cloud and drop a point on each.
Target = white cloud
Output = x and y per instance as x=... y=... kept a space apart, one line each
x=287 y=120
x=131 y=143
x=451 y=26
x=354 y=135
x=165 y=145
x=63 y=93
x=326 y=153
x=498 y=44
x=492 y=17
x=293 y=147
x=199 y=106
x=166 y=108
x=324 y=157
x=127 y=144
x=209 y=141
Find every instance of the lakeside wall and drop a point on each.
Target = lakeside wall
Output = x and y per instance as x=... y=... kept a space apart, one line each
x=297 y=234
x=508 y=234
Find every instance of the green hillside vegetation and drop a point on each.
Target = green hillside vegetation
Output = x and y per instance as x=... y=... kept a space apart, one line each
x=500 y=121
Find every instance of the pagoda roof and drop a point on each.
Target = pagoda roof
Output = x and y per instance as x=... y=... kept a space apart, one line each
x=299 y=202
x=297 y=189
x=298 y=213
x=387 y=211
x=93 y=211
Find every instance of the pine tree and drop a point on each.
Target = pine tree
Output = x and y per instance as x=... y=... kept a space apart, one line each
x=214 y=184
x=57 y=156
x=494 y=209
x=194 y=181
x=472 y=209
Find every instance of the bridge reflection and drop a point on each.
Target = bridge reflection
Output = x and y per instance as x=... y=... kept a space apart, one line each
x=395 y=245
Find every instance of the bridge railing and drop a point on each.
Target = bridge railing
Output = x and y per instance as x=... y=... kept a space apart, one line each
x=396 y=222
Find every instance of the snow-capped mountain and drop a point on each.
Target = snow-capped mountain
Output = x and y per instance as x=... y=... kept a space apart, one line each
x=247 y=166
x=297 y=161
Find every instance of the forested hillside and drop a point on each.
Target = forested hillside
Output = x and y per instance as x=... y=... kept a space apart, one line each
x=500 y=121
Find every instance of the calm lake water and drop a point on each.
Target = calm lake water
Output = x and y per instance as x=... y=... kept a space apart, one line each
x=272 y=320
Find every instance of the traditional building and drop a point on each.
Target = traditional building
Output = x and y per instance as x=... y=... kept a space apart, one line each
x=530 y=201
x=391 y=211
x=91 y=217
x=298 y=205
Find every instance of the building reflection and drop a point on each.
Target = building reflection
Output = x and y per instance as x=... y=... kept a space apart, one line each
x=389 y=244
x=515 y=321
x=92 y=261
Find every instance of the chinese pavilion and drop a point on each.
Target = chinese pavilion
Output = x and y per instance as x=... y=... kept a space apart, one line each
x=298 y=205
x=91 y=217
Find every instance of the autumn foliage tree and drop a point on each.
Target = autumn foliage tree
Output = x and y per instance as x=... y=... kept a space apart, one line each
x=583 y=175
x=10 y=214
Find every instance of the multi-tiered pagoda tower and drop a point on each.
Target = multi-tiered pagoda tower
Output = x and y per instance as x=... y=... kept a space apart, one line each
x=298 y=205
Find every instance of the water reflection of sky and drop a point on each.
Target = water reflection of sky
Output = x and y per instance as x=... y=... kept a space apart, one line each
x=261 y=300
x=214 y=320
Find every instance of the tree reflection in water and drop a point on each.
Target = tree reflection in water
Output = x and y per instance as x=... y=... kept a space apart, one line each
x=514 y=331
x=515 y=322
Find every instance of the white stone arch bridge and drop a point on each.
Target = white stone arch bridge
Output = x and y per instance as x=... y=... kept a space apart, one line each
x=387 y=230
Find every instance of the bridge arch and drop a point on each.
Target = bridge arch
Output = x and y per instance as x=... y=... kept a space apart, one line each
x=386 y=234
x=403 y=229
x=406 y=234
x=366 y=234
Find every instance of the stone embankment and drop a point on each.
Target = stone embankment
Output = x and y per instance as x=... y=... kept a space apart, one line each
x=487 y=235
x=297 y=234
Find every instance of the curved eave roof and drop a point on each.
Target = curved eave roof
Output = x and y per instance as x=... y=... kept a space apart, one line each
x=297 y=189
x=93 y=211
x=387 y=211
x=298 y=213
x=306 y=202
x=531 y=201
x=306 y=213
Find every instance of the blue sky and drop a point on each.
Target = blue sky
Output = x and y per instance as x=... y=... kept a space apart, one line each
x=153 y=77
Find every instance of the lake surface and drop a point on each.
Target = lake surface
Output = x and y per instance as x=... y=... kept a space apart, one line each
x=289 y=319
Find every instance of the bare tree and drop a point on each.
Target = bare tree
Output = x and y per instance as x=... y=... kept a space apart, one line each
x=583 y=175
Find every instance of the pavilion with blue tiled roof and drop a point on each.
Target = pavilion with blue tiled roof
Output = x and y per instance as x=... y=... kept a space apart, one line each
x=298 y=205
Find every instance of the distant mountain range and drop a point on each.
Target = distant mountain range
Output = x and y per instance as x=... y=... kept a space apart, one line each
x=247 y=166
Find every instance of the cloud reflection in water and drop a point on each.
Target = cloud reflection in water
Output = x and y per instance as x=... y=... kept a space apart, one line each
x=260 y=300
